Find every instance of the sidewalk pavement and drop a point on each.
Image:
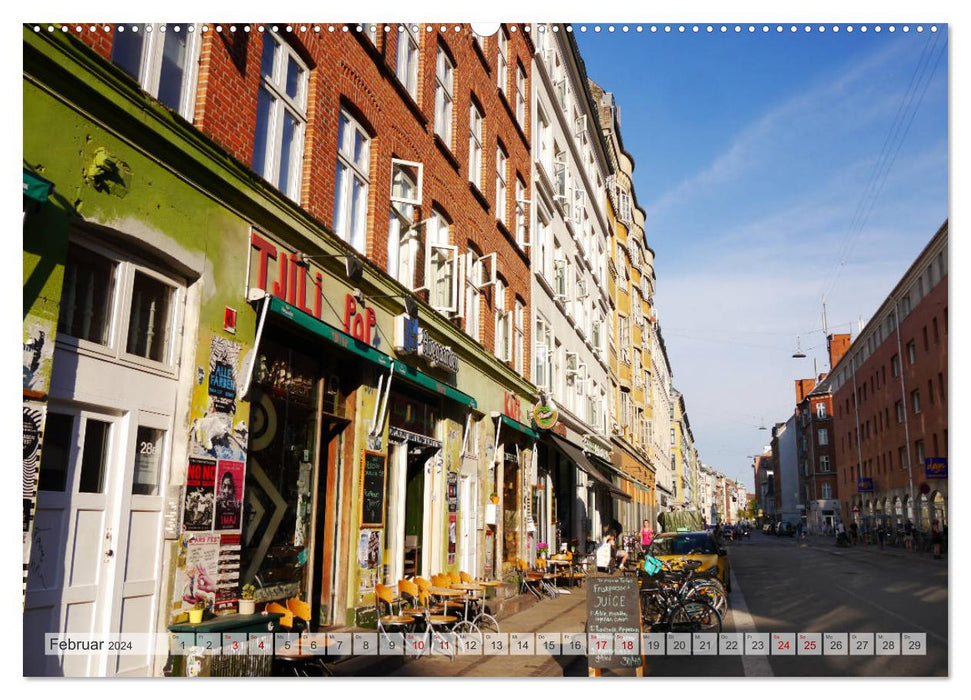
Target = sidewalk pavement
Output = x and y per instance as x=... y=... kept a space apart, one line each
x=566 y=613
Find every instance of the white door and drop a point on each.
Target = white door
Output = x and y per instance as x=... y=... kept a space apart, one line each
x=72 y=563
x=467 y=506
x=398 y=469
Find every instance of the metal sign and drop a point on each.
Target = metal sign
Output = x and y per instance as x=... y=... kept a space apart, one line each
x=864 y=485
x=935 y=467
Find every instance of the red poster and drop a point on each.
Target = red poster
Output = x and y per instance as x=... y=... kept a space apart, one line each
x=200 y=480
x=229 y=495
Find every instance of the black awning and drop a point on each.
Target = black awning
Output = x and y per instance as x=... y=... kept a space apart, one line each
x=584 y=462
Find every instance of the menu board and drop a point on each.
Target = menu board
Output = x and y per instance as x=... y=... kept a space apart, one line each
x=373 y=482
x=613 y=607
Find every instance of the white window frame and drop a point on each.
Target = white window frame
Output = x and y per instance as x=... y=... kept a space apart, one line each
x=150 y=64
x=502 y=59
x=824 y=465
x=441 y=253
x=578 y=205
x=560 y=271
x=406 y=62
x=475 y=146
x=403 y=235
x=342 y=199
x=503 y=325
x=473 y=297
x=826 y=491
x=543 y=360
x=502 y=166
x=821 y=410
x=822 y=436
x=521 y=95
x=118 y=315
x=522 y=223
x=444 y=95
x=275 y=86
x=519 y=335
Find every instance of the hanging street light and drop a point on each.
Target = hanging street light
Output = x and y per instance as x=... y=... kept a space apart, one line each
x=799 y=354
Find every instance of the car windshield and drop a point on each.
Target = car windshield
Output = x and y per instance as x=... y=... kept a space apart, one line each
x=684 y=544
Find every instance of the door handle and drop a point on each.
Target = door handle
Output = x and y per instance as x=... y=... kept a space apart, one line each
x=109 y=552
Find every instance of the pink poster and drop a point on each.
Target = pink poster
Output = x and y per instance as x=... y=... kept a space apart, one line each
x=229 y=495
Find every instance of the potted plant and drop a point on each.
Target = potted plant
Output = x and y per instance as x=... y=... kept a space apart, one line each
x=195 y=612
x=247 y=603
x=494 y=498
x=542 y=549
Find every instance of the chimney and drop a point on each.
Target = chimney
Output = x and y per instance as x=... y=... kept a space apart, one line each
x=838 y=344
x=803 y=387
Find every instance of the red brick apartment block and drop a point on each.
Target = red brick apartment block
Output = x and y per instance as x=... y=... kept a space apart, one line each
x=413 y=94
x=891 y=412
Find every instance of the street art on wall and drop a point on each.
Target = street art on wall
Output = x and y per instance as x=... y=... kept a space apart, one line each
x=223 y=369
x=199 y=578
x=38 y=353
x=33 y=433
x=227 y=574
x=229 y=496
x=199 y=494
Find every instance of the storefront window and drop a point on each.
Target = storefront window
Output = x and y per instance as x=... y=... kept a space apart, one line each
x=280 y=472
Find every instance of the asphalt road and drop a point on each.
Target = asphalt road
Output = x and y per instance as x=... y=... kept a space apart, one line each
x=783 y=586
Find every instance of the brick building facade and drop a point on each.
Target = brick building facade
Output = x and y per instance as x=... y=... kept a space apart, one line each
x=890 y=402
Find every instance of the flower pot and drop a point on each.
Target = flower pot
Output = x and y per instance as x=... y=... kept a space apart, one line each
x=195 y=616
x=247 y=606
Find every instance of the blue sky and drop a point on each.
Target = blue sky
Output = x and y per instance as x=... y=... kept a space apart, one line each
x=753 y=156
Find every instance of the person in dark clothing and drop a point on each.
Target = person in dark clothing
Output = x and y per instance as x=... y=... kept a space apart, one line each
x=937 y=539
x=854 y=533
x=881 y=534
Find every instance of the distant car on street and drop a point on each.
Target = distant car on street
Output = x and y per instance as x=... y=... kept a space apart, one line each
x=785 y=528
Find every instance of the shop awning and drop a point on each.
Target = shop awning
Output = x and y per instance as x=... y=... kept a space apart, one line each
x=431 y=384
x=516 y=425
x=37 y=188
x=326 y=331
x=584 y=462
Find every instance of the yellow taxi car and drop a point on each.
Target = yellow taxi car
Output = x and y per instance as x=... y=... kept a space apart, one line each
x=673 y=547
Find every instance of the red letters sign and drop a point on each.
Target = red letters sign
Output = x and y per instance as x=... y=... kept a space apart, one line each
x=511 y=405
x=292 y=278
x=358 y=324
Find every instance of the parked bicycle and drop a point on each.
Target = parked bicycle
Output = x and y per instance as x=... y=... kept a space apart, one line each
x=670 y=604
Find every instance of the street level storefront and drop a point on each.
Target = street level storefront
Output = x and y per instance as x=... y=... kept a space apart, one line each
x=894 y=507
x=388 y=470
x=585 y=494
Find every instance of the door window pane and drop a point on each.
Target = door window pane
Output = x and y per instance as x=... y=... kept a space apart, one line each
x=94 y=456
x=55 y=451
x=89 y=282
x=148 y=323
x=149 y=443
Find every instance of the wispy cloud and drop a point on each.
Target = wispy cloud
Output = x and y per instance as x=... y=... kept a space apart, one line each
x=855 y=91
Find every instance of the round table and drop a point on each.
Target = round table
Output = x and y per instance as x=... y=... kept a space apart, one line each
x=488 y=584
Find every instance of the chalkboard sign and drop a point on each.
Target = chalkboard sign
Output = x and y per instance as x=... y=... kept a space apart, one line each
x=373 y=481
x=613 y=607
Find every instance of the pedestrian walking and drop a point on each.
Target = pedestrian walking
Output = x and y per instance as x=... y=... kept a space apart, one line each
x=881 y=534
x=854 y=532
x=937 y=539
x=865 y=533
x=909 y=536
x=647 y=535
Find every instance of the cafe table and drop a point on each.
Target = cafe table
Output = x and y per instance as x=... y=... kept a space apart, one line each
x=472 y=590
x=558 y=564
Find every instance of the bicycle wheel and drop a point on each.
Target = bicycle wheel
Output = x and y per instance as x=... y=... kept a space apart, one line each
x=709 y=591
x=694 y=616
x=486 y=623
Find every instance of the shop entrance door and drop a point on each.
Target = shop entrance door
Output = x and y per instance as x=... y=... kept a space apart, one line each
x=98 y=497
x=414 y=550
